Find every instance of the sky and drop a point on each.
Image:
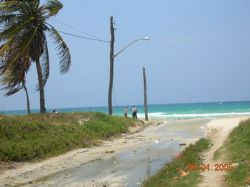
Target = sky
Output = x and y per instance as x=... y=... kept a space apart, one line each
x=199 y=51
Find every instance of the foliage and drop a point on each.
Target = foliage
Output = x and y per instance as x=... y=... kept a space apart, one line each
x=31 y=137
x=237 y=149
x=23 y=40
x=170 y=174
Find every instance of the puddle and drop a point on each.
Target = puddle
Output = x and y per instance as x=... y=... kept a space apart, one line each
x=131 y=167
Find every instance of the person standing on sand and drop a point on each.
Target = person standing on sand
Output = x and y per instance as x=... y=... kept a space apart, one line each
x=126 y=111
x=134 y=112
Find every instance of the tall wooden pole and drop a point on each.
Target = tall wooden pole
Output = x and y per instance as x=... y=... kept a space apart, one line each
x=145 y=95
x=111 y=73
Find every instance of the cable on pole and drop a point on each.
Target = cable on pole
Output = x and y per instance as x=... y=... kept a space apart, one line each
x=84 y=37
x=88 y=37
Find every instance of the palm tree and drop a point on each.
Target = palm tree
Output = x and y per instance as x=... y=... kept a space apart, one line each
x=23 y=40
x=27 y=97
x=14 y=79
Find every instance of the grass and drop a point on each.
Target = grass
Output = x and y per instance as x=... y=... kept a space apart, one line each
x=170 y=175
x=39 y=136
x=218 y=153
x=237 y=150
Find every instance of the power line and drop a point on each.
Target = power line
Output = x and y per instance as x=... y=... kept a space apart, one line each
x=84 y=37
x=74 y=28
x=90 y=36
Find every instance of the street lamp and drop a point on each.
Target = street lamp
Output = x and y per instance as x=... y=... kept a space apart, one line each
x=139 y=39
x=112 y=59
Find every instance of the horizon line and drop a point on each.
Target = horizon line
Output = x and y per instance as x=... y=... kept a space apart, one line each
x=123 y=105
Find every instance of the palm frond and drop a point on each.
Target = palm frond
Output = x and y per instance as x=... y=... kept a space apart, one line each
x=10 y=87
x=15 y=76
x=4 y=48
x=9 y=6
x=14 y=29
x=45 y=64
x=64 y=53
x=17 y=49
x=52 y=7
x=6 y=19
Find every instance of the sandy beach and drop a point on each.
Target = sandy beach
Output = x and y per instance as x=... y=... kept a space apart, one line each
x=27 y=173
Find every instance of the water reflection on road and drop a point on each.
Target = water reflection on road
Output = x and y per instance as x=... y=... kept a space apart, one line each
x=131 y=167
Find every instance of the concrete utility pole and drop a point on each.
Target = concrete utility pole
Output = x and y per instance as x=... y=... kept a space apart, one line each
x=145 y=94
x=111 y=73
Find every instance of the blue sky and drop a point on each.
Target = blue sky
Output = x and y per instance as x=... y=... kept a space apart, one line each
x=199 y=52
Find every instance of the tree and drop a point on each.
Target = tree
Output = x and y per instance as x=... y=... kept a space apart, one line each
x=23 y=35
x=14 y=79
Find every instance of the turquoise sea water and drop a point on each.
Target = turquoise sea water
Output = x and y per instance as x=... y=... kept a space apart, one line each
x=190 y=110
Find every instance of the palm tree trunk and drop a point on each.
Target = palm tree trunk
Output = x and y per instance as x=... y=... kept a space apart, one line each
x=27 y=98
x=41 y=87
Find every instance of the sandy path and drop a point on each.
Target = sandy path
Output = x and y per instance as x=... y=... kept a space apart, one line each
x=218 y=131
x=28 y=172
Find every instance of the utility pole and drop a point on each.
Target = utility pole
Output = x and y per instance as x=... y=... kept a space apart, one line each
x=111 y=73
x=145 y=94
x=112 y=59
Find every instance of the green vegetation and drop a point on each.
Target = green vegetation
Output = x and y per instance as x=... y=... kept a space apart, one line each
x=237 y=150
x=24 y=29
x=38 y=136
x=170 y=175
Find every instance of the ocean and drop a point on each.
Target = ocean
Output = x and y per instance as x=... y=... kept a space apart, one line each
x=187 y=110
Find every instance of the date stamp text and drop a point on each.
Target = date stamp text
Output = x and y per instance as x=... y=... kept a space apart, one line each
x=219 y=167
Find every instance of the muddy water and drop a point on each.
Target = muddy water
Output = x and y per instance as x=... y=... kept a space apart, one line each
x=131 y=167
